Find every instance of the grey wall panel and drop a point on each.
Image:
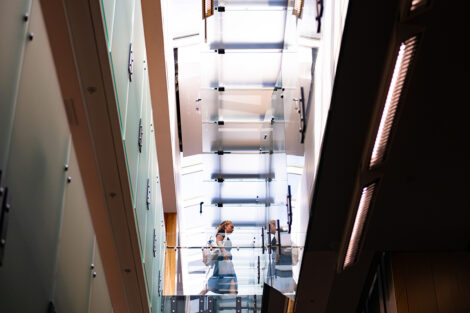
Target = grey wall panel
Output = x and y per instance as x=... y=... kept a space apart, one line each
x=75 y=259
x=99 y=296
x=15 y=19
x=36 y=178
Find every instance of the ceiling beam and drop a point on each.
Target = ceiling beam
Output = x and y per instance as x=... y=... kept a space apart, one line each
x=78 y=43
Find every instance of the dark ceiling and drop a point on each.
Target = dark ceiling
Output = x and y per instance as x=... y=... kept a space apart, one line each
x=422 y=202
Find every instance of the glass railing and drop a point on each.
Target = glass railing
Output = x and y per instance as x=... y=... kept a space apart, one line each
x=250 y=257
x=240 y=68
x=211 y=304
x=239 y=105
x=261 y=24
x=254 y=163
x=243 y=136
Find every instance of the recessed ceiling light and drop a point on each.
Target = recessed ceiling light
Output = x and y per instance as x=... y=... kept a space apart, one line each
x=359 y=223
x=403 y=61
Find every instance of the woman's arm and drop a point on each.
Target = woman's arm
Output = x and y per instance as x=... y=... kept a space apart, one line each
x=219 y=241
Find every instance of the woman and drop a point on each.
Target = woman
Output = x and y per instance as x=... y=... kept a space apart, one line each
x=223 y=279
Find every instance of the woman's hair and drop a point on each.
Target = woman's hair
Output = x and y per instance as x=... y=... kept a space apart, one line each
x=222 y=225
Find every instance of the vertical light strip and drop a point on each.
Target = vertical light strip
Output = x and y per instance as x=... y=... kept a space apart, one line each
x=405 y=55
x=359 y=222
x=297 y=8
x=416 y=4
x=208 y=8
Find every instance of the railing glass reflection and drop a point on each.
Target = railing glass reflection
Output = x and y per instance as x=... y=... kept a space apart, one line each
x=256 y=255
x=211 y=304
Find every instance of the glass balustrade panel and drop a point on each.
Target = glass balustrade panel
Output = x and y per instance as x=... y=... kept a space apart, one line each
x=238 y=105
x=247 y=258
x=213 y=303
x=262 y=27
x=240 y=68
x=243 y=137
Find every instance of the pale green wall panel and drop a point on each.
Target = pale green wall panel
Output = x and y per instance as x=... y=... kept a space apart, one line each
x=135 y=105
x=152 y=228
x=15 y=19
x=142 y=177
x=138 y=43
x=132 y=137
x=134 y=100
x=107 y=7
x=120 y=47
x=36 y=180
x=72 y=288
x=135 y=97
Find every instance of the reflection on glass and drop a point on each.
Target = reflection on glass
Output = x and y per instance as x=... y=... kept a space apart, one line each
x=282 y=258
x=225 y=29
x=243 y=260
x=239 y=105
x=214 y=303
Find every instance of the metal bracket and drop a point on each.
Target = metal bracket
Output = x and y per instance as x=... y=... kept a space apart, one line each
x=262 y=238
x=220 y=180
x=201 y=304
x=148 y=193
x=173 y=304
x=220 y=123
x=238 y=305
x=221 y=89
x=154 y=243
x=159 y=282
x=211 y=305
x=259 y=269
x=221 y=51
x=221 y=9
x=141 y=134
x=255 y=304
x=301 y=112
x=130 y=66
x=289 y=208
x=197 y=103
x=4 y=216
